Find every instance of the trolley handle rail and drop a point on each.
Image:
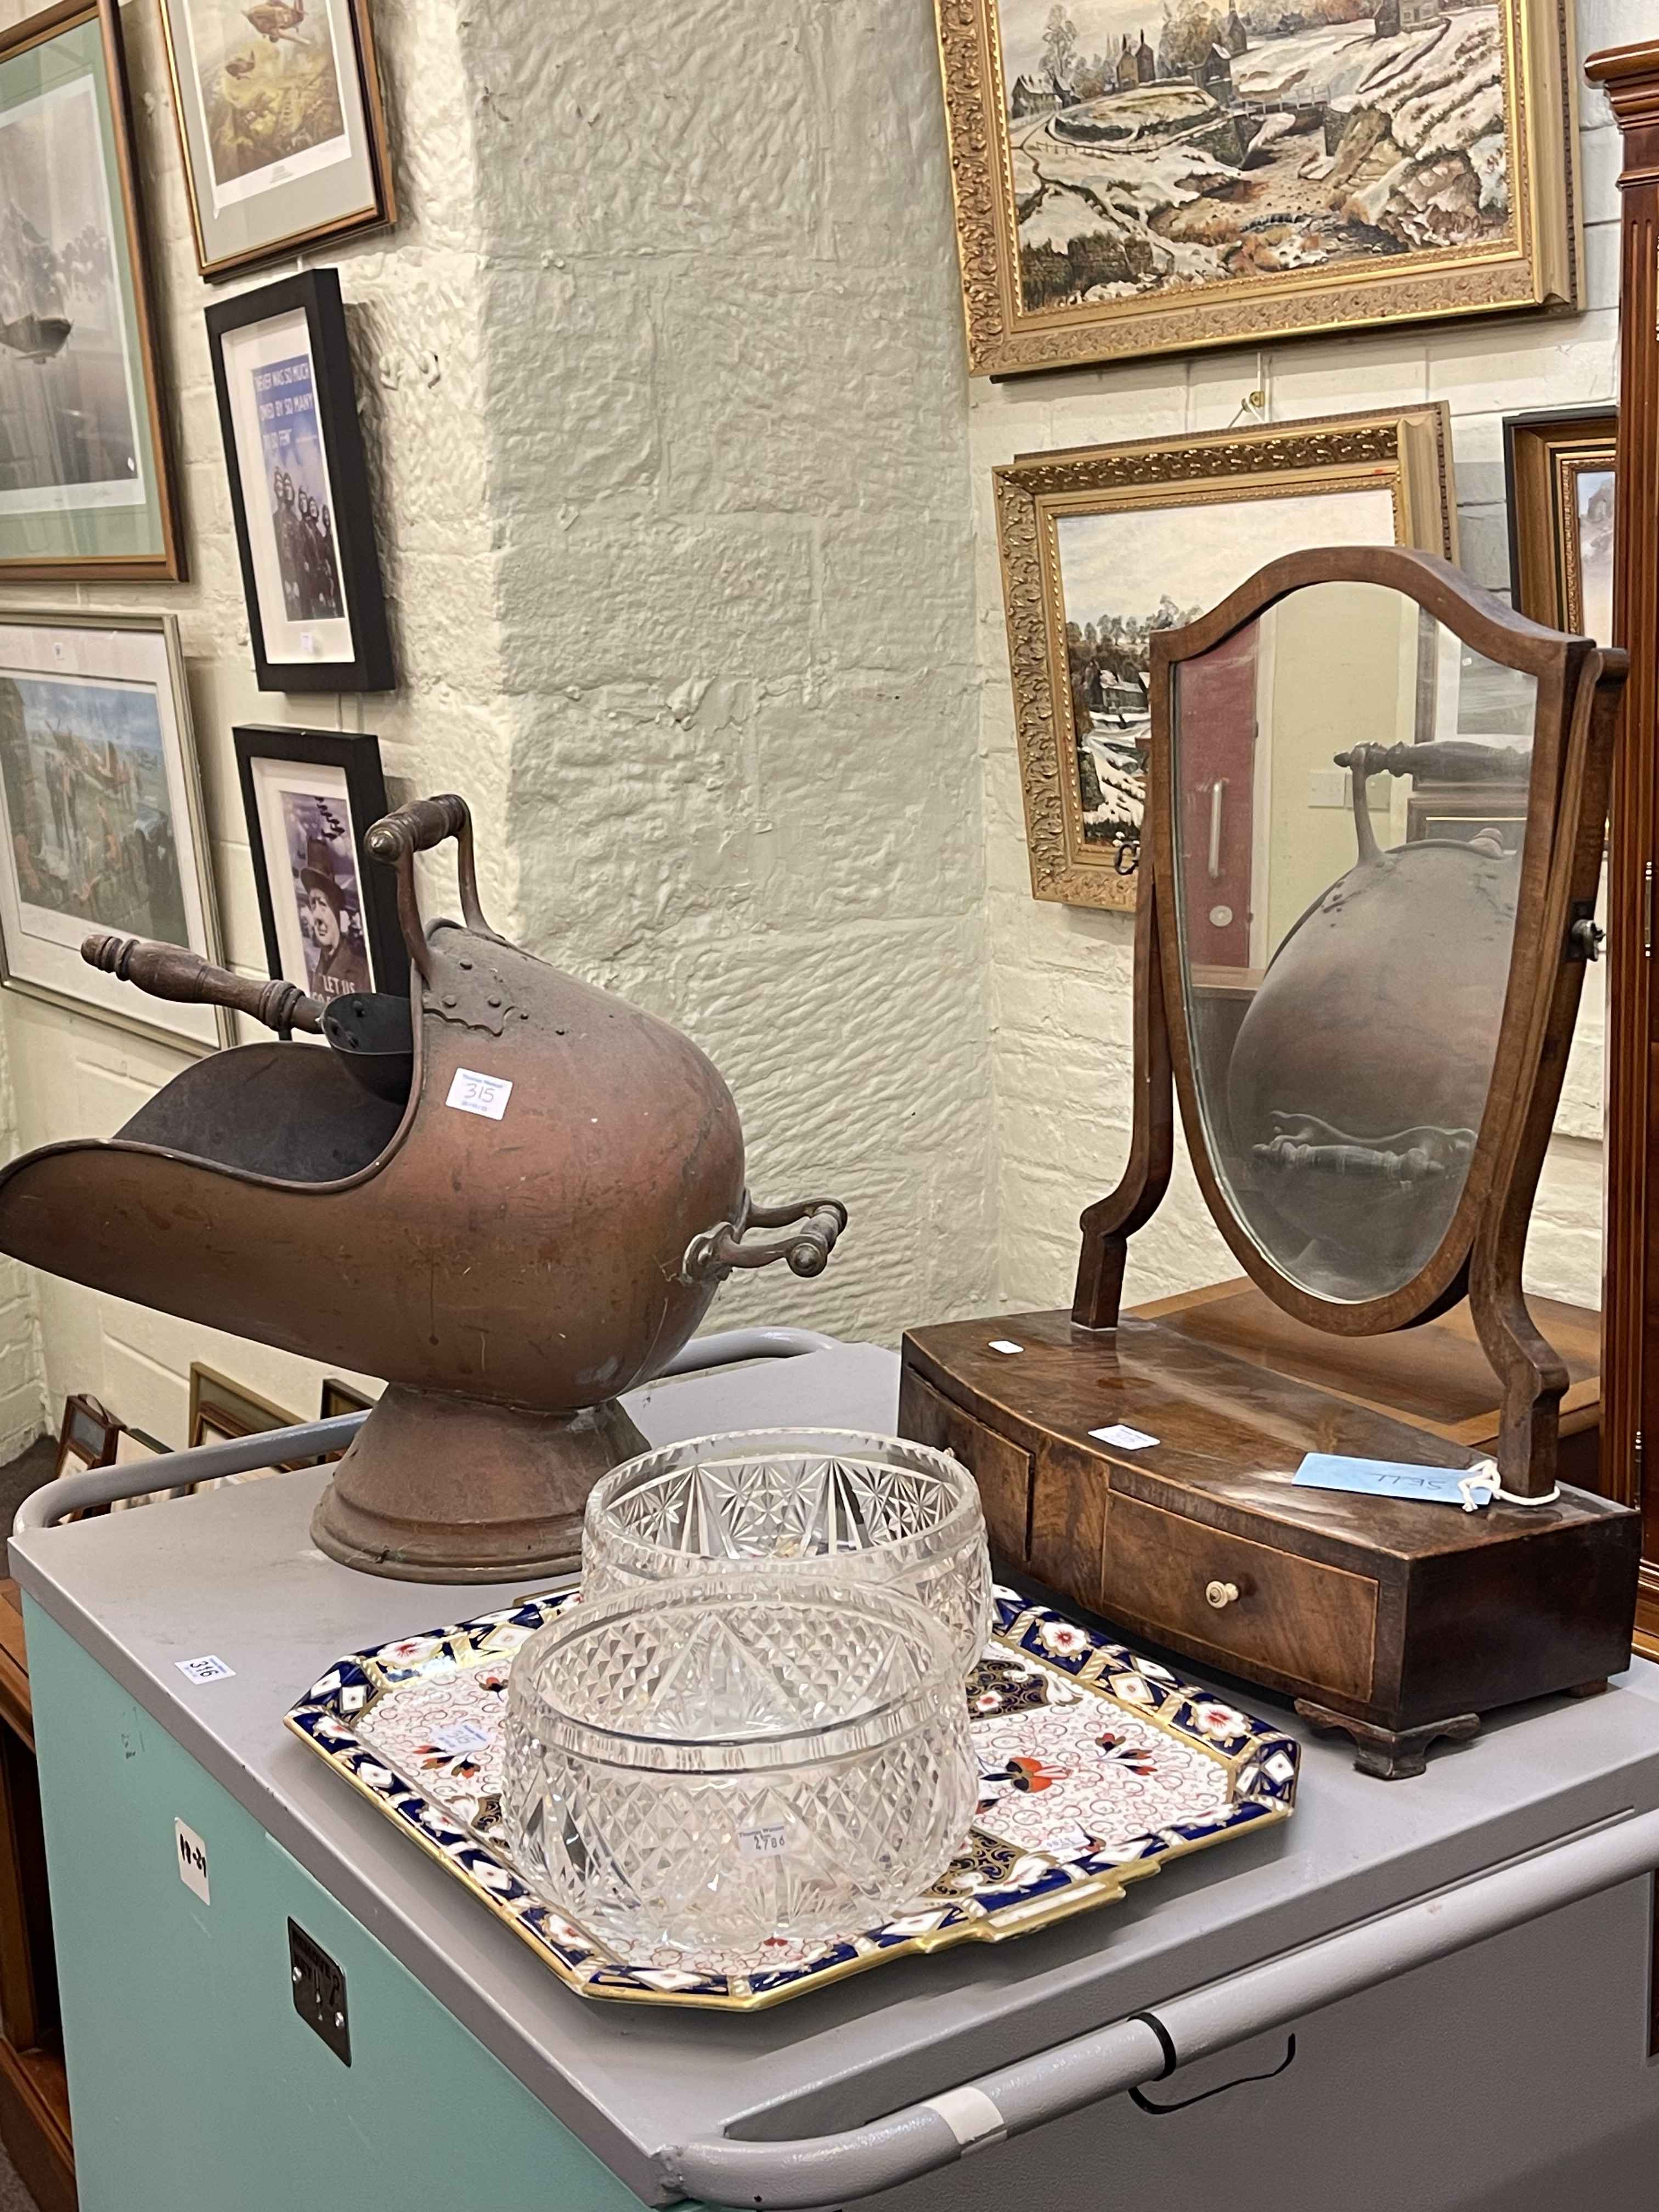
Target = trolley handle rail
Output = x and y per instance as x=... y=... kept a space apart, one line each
x=831 y=2170
x=106 y=1485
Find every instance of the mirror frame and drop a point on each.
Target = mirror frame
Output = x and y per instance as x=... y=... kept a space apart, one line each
x=1480 y=1254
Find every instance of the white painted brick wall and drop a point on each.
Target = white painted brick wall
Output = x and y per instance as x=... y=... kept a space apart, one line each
x=731 y=487
x=678 y=550
x=1060 y=976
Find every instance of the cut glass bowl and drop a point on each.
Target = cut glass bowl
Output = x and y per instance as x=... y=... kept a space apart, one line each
x=737 y=1756
x=872 y=1508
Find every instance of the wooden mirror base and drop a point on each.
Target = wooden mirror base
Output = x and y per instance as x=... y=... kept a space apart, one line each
x=1391 y=1754
x=1399 y=1623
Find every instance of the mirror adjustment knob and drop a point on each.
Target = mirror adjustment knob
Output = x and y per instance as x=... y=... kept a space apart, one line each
x=1587 y=938
x=1220 y=1594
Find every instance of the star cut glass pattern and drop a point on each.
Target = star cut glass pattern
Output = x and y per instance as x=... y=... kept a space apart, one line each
x=874 y=1508
x=736 y=1757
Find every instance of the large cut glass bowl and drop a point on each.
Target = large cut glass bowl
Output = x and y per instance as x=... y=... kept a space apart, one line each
x=711 y=1762
x=875 y=1509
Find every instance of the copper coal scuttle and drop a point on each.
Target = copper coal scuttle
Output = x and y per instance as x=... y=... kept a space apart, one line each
x=511 y=1195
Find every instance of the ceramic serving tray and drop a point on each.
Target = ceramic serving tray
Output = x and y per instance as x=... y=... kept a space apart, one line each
x=1096 y=1766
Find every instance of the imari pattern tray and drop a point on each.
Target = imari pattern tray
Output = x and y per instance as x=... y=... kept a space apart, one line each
x=1096 y=1765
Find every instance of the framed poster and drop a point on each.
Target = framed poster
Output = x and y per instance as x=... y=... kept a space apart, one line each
x=86 y=490
x=280 y=124
x=299 y=487
x=102 y=814
x=1102 y=545
x=330 y=912
x=1558 y=474
x=1249 y=171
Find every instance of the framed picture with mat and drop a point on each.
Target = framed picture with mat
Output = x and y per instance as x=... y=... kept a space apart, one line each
x=329 y=911
x=299 y=487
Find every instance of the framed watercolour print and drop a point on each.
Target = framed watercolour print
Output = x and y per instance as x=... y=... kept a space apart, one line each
x=1558 y=470
x=102 y=814
x=280 y=124
x=1132 y=181
x=330 y=912
x=299 y=486
x=86 y=492
x=1102 y=545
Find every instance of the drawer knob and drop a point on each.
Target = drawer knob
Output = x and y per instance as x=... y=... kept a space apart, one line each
x=1221 y=1594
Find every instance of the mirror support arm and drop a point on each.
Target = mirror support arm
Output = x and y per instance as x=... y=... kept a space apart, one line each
x=1110 y=1223
x=1533 y=1376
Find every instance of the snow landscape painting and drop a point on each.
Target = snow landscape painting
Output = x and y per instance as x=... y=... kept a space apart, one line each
x=1131 y=570
x=1154 y=151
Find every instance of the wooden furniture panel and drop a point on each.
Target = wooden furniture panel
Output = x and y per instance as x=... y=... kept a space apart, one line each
x=1435 y=1378
x=34 y=2118
x=1000 y=1469
x=1630 y=76
x=1241 y=1601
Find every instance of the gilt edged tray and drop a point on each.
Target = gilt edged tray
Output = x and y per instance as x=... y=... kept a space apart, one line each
x=1096 y=1766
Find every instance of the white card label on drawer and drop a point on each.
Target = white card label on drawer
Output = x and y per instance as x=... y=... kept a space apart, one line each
x=465 y=1736
x=472 y=1093
x=765 y=1842
x=208 y=1668
x=1125 y=1437
x=192 y=1860
x=1006 y=1344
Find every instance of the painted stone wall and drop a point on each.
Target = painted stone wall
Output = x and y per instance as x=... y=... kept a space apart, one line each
x=732 y=499
x=662 y=390
x=1061 y=1040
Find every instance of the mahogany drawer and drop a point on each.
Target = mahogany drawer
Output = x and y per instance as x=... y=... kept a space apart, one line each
x=1002 y=1469
x=1307 y=1622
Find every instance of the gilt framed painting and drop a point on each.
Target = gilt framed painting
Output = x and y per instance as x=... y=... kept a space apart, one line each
x=1102 y=546
x=1558 y=470
x=101 y=823
x=86 y=486
x=299 y=487
x=1132 y=181
x=280 y=124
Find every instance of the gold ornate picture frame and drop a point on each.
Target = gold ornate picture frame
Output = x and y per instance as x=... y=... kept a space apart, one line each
x=1102 y=545
x=1257 y=174
x=1558 y=477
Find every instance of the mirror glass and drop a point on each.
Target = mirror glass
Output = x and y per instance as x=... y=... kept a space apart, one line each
x=1351 y=794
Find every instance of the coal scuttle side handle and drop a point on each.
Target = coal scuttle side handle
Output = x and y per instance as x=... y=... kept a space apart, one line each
x=711 y=1256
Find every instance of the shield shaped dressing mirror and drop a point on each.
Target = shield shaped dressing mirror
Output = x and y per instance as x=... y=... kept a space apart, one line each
x=1376 y=809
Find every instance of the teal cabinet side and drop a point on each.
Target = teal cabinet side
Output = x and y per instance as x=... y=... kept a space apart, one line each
x=194 y=2085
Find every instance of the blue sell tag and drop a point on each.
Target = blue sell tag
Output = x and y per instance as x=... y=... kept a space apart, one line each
x=1471 y=1487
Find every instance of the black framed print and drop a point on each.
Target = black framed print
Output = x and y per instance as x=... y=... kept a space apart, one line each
x=280 y=124
x=86 y=491
x=299 y=487
x=330 y=912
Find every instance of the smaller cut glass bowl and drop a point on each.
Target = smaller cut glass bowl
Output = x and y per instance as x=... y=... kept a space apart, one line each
x=798 y=1501
x=716 y=1762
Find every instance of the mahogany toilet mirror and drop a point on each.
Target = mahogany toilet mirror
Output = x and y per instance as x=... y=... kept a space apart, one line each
x=1374 y=824
x=1366 y=1029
